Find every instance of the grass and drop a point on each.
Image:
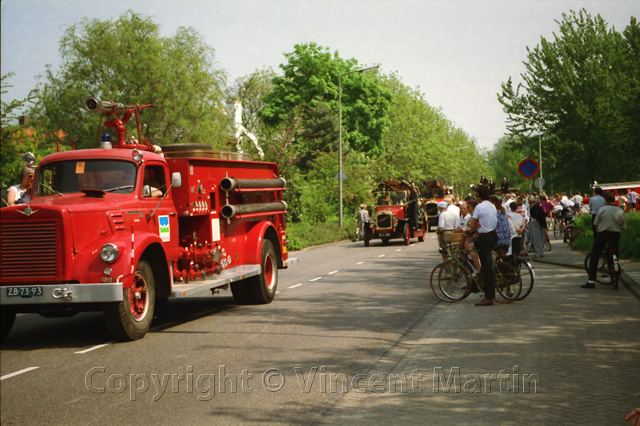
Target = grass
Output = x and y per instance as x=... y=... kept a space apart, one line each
x=302 y=235
x=629 y=239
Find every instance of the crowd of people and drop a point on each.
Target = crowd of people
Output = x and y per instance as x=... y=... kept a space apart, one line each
x=491 y=222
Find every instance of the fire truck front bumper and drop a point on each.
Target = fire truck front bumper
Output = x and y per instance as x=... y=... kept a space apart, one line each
x=61 y=294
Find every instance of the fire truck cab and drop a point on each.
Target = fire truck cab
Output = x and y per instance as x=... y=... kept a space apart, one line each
x=118 y=228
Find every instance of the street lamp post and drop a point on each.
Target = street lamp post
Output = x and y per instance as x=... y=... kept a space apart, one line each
x=340 y=132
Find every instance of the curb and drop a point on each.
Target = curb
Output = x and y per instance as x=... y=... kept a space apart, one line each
x=631 y=285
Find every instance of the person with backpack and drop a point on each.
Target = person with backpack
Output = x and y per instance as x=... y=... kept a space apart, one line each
x=484 y=220
x=502 y=228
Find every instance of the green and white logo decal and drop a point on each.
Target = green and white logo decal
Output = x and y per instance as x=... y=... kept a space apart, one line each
x=165 y=230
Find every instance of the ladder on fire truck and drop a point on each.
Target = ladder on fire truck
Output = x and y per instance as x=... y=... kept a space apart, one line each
x=241 y=130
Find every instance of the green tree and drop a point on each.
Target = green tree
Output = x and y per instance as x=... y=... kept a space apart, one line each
x=580 y=93
x=19 y=138
x=310 y=78
x=421 y=143
x=127 y=61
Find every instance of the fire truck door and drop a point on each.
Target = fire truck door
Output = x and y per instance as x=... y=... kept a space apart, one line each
x=164 y=222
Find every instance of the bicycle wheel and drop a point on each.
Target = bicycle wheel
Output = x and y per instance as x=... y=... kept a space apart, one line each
x=527 y=276
x=614 y=273
x=547 y=245
x=449 y=282
x=602 y=272
x=556 y=228
x=508 y=283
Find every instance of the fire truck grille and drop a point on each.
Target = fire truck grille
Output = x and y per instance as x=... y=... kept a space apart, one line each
x=28 y=250
x=383 y=221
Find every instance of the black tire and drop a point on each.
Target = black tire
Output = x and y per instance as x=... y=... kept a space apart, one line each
x=131 y=318
x=558 y=229
x=547 y=245
x=7 y=319
x=262 y=288
x=449 y=282
x=508 y=283
x=385 y=241
x=240 y=293
x=613 y=274
x=527 y=276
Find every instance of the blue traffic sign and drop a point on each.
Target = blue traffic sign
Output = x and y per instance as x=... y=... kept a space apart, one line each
x=528 y=168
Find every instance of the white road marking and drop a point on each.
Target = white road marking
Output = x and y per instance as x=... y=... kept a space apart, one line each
x=382 y=255
x=294 y=286
x=359 y=263
x=332 y=272
x=399 y=250
x=93 y=348
x=24 y=370
x=315 y=279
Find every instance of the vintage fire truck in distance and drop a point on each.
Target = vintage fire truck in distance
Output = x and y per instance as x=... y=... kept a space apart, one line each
x=117 y=228
x=433 y=192
x=392 y=216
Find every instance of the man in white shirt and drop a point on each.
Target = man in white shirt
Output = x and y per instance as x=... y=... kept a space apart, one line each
x=519 y=224
x=447 y=222
x=464 y=217
x=485 y=219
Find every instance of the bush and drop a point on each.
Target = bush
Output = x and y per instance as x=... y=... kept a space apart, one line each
x=629 y=240
x=302 y=235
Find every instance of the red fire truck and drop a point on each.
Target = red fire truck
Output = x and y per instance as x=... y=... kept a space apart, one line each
x=118 y=228
x=392 y=215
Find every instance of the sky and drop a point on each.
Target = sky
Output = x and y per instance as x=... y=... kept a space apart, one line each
x=456 y=53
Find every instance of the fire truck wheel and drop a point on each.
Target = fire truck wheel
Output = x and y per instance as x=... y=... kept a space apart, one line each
x=424 y=232
x=131 y=318
x=240 y=293
x=262 y=288
x=7 y=320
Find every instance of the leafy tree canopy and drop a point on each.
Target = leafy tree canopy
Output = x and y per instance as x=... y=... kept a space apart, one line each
x=311 y=78
x=580 y=92
x=127 y=61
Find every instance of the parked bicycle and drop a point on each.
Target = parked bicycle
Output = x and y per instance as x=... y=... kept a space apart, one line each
x=455 y=279
x=608 y=271
x=572 y=232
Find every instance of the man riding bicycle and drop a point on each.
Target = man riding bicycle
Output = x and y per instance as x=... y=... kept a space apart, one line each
x=609 y=222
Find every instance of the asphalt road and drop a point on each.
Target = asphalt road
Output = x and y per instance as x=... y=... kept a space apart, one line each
x=207 y=361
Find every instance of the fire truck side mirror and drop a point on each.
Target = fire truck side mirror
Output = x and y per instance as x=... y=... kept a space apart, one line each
x=176 y=179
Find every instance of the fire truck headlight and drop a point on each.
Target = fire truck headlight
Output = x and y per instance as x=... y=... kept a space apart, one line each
x=395 y=221
x=109 y=253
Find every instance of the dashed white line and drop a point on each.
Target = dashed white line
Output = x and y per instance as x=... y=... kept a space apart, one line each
x=93 y=348
x=382 y=255
x=315 y=279
x=294 y=286
x=359 y=263
x=399 y=250
x=332 y=272
x=24 y=370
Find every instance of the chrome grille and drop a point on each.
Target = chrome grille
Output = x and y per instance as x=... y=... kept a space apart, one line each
x=29 y=251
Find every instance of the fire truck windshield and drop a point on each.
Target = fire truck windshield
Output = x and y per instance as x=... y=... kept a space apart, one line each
x=72 y=176
x=390 y=198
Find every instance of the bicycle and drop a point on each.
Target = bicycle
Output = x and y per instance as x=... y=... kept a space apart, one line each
x=608 y=270
x=571 y=232
x=452 y=281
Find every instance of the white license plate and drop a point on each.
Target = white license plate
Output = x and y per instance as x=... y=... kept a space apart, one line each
x=24 y=291
x=385 y=235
